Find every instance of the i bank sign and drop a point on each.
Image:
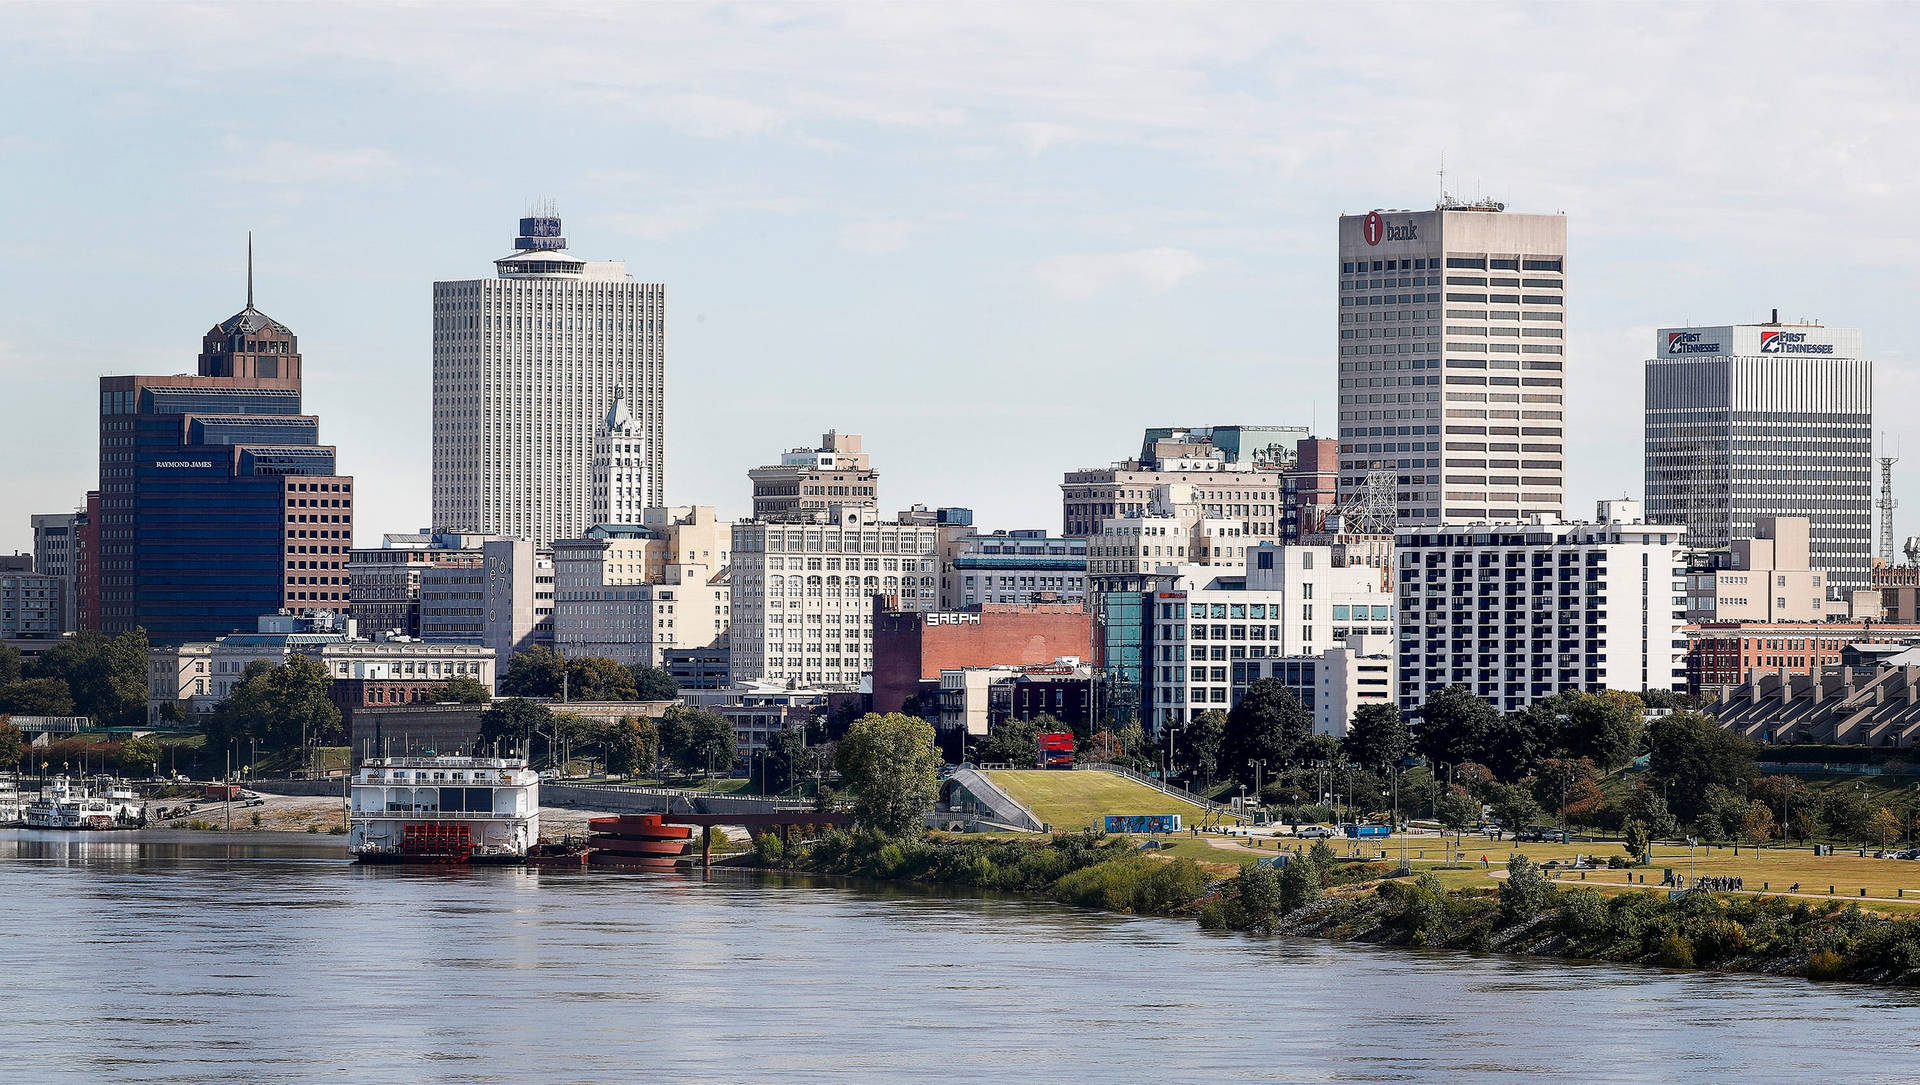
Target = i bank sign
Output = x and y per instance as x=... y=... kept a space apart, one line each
x=1377 y=229
x=1690 y=343
x=1791 y=343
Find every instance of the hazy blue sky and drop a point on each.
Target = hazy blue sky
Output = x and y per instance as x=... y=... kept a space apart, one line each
x=997 y=240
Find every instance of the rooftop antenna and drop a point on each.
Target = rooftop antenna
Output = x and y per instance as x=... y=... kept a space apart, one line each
x=249 y=269
x=1443 y=178
x=1887 y=503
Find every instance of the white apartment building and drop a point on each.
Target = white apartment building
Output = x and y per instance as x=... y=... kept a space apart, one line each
x=526 y=365
x=1332 y=685
x=1516 y=612
x=1288 y=601
x=803 y=593
x=635 y=593
x=1452 y=361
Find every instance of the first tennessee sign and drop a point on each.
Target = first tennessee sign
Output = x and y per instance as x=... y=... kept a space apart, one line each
x=1377 y=229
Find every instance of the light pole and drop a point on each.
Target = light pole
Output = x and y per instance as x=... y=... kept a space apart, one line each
x=1259 y=765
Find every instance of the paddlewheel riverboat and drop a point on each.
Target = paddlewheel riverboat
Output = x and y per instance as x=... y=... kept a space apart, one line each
x=443 y=809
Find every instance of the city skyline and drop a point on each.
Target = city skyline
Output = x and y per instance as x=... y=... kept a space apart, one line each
x=921 y=241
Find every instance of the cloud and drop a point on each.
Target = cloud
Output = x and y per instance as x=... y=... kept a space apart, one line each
x=885 y=235
x=1078 y=277
x=285 y=163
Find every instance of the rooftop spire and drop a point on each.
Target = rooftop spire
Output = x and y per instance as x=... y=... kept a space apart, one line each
x=249 y=269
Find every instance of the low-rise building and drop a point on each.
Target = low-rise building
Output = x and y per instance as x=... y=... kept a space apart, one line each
x=505 y=603
x=633 y=593
x=911 y=648
x=973 y=700
x=1332 y=685
x=31 y=604
x=384 y=582
x=1013 y=567
x=1723 y=655
x=1877 y=704
x=808 y=482
x=1763 y=579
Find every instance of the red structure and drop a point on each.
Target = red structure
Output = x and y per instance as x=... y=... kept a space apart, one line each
x=1056 y=750
x=86 y=566
x=637 y=841
x=912 y=647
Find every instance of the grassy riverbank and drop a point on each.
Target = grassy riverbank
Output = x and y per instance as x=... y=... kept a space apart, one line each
x=1321 y=895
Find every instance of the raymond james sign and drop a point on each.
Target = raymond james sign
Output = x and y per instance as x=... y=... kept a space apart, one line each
x=183 y=463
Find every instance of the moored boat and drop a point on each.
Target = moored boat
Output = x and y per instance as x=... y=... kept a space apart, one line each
x=443 y=809
x=63 y=804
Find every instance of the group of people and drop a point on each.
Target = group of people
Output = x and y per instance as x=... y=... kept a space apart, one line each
x=1708 y=883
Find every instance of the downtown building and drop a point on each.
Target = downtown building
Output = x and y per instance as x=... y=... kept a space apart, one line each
x=1750 y=421
x=55 y=538
x=1236 y=473
x=654 y=592
x=808 y=482
x=1453 y=363
x=217 y=502
x=1518 y=612
x=528 y=367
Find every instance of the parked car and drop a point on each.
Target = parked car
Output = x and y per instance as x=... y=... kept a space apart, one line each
x=1316 y=832
x=1542 y=834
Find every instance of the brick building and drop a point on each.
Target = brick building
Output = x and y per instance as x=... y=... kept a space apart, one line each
x=1723 y=656
x=911 y=648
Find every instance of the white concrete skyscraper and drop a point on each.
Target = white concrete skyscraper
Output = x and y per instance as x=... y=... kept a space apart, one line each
x=526 y=366
x=1452 y=362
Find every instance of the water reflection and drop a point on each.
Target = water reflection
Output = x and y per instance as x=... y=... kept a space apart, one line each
x=193 y=958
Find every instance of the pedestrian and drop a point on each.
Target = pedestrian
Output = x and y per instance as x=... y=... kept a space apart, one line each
x=1484 y=865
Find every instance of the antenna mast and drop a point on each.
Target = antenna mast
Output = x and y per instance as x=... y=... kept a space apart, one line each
x=1887 y=505
x=249 y=269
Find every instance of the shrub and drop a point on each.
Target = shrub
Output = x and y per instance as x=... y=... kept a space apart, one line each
x=1299 y=885
x=1524 y=892
x=1825 y=965
x=768 y=850
x=1584 y=918
x=1676 y=951
x=1258 y=897
x=1134 y=884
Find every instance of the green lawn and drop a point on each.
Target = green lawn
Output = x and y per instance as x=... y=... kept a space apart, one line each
x=1077 y=800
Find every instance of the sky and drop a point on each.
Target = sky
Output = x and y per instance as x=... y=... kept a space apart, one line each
x=997 y=240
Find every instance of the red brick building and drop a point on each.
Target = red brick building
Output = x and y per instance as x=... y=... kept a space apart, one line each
x=911 y=648
x=1722 y=656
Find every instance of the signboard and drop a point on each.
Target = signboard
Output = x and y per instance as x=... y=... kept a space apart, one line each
x=183 y=463
x=1376 y=229
x=1143 y=823
x=1055 y=749
x=939 y=617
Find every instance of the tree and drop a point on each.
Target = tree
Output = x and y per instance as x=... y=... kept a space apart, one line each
x=1756 y=825
x=1257 y=897
x=139 y=756
x=462 y=690
x=1269 y=724
x=1457 y=811
x=278 y=707
x=1883 y=825
x=796 y=760
x=1524 y=893
x=1204 y=742
x=9 y=664
x=1692 y=752
x=10 y=744
x=515 y=723
x=1300 y=883
x=1514 y=808
x=1009 y=742
x=629 y=744
x=1454 y=725
x=106 y=676
x=36 y=697
x=653 y=684
x=534 y=672
x=1569 y=784
x=696 y=739
x=1637 y=842
x=597 y=678
x=890 y=764
x=1377 y=737
x=1644 y=805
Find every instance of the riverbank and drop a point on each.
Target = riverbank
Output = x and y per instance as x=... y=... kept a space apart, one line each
x=1322 y=896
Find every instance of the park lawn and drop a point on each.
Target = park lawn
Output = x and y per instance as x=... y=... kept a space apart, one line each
x=1078 y=800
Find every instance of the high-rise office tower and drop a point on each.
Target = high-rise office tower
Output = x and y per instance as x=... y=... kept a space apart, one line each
x=1452 y=362
x=526 y=365
x=1751 y=421
x=620 y=472
x=217 y=501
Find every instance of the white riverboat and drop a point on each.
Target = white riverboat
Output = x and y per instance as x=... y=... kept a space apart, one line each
x=13 y=811
x=63 y=804
x=443 y=809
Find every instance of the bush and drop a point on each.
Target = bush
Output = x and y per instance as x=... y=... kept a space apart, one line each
x=1676 y=951
x=1825 y=965
x=1134 y=884
x=1524 y=893
x=1584 y=917
x=768 y=851
x=1258 y=898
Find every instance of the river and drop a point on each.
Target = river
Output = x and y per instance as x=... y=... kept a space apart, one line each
x=196 y=957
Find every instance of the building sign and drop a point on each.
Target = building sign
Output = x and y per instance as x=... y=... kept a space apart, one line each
x=952 y=618
x=1791 y=343
x=1377 y=229
x=183 y=463
x=1690 y=343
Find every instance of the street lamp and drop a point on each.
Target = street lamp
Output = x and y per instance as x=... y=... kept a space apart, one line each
x=1259 y=765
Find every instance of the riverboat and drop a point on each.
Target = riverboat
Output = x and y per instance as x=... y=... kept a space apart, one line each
x=63 y=804
x=12 y=810
x=435 y=808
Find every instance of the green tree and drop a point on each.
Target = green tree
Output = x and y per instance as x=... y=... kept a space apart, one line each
x=10 y=665
x=515 y=723
x=1514 y=808
x=534 y=672
x=139 y=756
x=1524 y=893
x=653 y=683
x=1644 y=805
x=597 y=678
x=279 y=706
x=697 y=740
x=1692 y=752
x=36 y=697
x=1637 y=841
x=1457 y=811
x=893 y=769
x=1009 y=742
x=1300 y=883
x=1606 y=727
x=1269 y=724
x=795 y=760
x=1883 y=825
x=1206 y=744
x=1454 y=725
x=1377 y=737
x=106 y=676
x=11 y=744
x=462 y=690
x=1257 y=897
x=630 y=744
